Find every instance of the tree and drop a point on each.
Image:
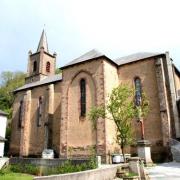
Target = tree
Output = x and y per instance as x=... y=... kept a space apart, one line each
x=9 y=81
x=58 y=71
x=121 y=110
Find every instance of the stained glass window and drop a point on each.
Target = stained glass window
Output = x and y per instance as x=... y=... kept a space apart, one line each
x=21 y=110
x=138 y=91
x=39 y=118
x=83 y=96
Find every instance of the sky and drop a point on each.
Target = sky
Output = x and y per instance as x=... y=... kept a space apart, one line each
x=115 y=27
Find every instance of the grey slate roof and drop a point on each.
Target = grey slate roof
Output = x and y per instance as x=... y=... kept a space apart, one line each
x=3 y=113
x=2 y=139
x=85 y=57
x=50 y=79
x=93 y=54
x=135 y=57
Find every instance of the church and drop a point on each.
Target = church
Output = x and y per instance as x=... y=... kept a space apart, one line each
x=51 y=110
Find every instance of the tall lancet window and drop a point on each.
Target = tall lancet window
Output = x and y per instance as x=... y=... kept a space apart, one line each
x=48 y=66
x=21 y=111
x=39 y=110
x=34 y=66
x=83 y=97
x=138 y=91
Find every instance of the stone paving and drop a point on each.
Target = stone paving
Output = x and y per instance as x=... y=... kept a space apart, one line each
x=165 y=171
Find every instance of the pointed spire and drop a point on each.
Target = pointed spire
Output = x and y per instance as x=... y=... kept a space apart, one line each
x=43 y=42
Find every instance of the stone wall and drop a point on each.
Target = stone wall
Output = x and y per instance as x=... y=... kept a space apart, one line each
x=16 y=130
x=111 y=81
x=105 y=173
x=77 y=136
x=29 y=139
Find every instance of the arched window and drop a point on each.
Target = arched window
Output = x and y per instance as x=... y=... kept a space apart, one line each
x=48 y=66
x=21 y=110
x=39 y=118
x=83 y=96
x=34 y=66
x=138 y=91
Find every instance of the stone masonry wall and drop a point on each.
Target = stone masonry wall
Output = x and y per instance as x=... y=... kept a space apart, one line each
x=16 y=131
x=111 y=81
x=76 y=132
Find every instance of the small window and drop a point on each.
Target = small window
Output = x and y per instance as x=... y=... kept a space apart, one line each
x=48 y=66
x=34 y=66
x=83 y=97
x=39 y=110
x=21 y=110
x=138 y=91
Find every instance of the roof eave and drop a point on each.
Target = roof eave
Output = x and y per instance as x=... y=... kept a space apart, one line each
x=16 y=91
x=44 y=53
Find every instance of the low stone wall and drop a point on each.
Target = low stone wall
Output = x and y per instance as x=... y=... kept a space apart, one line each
x=106 y=172
x=44 y=162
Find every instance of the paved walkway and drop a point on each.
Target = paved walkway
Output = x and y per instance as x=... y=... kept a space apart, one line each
x=165 y=171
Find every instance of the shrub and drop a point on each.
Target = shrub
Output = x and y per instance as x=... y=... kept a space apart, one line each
x=67 y=167
x=25 y=168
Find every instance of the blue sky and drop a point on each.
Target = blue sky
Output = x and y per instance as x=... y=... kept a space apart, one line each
x=73 y=27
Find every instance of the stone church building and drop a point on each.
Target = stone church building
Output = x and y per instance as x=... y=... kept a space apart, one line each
x=50 y=110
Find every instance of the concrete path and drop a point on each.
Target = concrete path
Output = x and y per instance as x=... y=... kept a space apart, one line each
x=165 y=171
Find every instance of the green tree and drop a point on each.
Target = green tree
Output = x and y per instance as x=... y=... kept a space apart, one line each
x=9 y=81
x=121 y=110
x=58 y=71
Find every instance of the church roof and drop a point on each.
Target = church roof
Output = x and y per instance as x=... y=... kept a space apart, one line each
x=48 y=80
x=93 y=54
x=43 y=42
x=3 y=113
x=135 y=57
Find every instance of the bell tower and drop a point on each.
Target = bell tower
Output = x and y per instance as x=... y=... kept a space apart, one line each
x=41 y=64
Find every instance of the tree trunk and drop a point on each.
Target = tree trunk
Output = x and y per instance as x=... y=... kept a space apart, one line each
x=122 y=148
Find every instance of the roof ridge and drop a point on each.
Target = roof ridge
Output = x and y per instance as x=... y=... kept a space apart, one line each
x=135 y=57
x=92 y=54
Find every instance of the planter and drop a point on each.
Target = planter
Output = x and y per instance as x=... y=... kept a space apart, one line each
x=118 y=158
x=48 y=154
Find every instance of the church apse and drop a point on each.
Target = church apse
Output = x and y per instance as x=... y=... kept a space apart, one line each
x=81 y=136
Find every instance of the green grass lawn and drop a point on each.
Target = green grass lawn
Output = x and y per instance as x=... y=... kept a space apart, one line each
x=16 y=176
